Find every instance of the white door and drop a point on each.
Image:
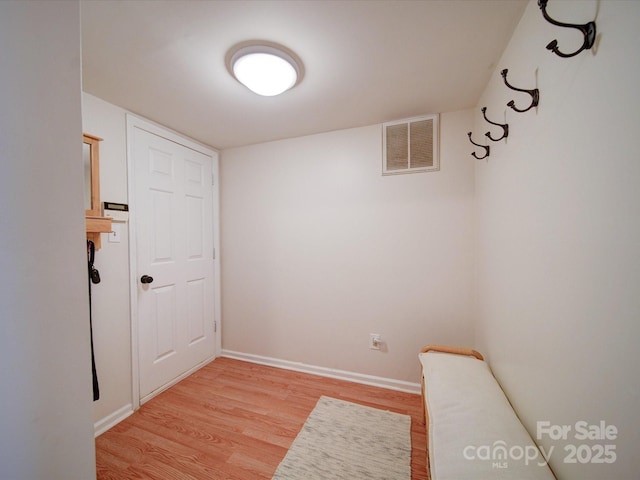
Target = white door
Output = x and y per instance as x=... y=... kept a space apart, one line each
x=175 y=266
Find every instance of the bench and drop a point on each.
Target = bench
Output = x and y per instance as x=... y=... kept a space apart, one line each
x=473 y=432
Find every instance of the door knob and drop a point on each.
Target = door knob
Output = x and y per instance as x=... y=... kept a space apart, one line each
x=146 y=279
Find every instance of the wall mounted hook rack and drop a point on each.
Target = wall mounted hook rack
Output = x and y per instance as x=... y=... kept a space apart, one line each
x=505 y=127
x=486 y=148
x=588 y=31
x=535 y=94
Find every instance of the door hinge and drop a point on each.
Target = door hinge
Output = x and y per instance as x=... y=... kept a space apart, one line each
x=213 y=179
x=214 y=253
x=215 y=327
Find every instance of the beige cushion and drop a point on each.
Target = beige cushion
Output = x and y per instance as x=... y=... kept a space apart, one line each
x=474 y=433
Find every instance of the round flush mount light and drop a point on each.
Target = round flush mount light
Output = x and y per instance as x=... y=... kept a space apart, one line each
x=264 y=68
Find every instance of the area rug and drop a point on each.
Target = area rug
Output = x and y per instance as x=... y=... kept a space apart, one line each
x=345 y=441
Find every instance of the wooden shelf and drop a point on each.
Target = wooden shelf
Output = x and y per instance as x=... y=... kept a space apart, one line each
x=98 y=224
x=95 y=226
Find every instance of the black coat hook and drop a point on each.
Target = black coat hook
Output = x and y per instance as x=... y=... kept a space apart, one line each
x=505 y=127
x=535 y=94
x=588 y=31
x=486 y=148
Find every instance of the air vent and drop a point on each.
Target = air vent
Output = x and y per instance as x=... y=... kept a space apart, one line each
x=410 y=145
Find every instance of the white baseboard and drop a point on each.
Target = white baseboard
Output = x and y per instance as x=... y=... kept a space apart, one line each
x=109 y=421
x=382 y=382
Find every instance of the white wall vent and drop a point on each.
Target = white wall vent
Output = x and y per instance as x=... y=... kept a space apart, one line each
x=410 y=145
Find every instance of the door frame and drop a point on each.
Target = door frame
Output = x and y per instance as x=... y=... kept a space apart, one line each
x=133 y=122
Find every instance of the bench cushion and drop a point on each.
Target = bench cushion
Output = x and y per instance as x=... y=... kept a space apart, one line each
x=473 y=431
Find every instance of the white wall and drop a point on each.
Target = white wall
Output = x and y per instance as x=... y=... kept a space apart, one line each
x=45 y=365
x=110 y=298
x=319 y=250
x=559 y=231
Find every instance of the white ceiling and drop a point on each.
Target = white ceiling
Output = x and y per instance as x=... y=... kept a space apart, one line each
x=365 y=61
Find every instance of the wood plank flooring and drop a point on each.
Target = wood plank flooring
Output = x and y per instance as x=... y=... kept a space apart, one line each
x=234 y=420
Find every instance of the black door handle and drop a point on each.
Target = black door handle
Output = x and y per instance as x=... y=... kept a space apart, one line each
x=146 y=279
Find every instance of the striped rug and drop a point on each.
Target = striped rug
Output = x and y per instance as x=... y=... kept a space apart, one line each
x=345 y=441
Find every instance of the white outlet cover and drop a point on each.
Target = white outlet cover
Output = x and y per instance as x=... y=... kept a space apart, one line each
x=114 y=235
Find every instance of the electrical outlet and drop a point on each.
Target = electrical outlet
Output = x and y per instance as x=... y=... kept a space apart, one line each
x=374 y=341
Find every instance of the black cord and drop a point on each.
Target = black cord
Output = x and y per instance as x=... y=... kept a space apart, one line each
x=91 y=252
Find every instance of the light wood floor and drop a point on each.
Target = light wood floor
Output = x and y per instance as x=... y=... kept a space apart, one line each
x=234 y=420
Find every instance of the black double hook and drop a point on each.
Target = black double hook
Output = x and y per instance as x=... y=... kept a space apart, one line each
x=535 y=94
x=486 y=148
x=505 y=127
x=588 y=31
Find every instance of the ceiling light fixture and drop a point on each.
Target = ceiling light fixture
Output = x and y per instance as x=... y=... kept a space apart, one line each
x=265 y=69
